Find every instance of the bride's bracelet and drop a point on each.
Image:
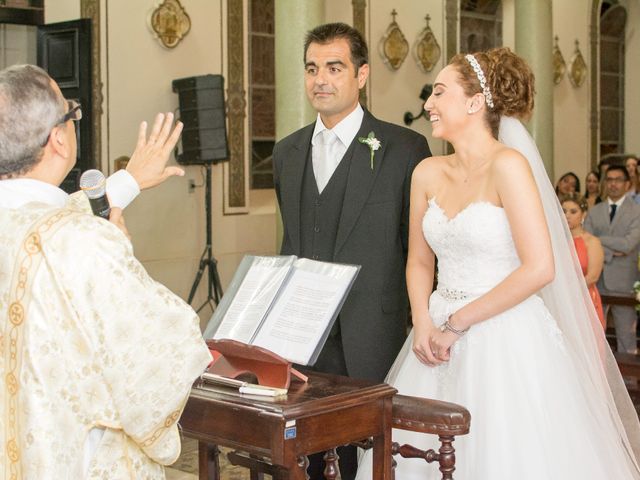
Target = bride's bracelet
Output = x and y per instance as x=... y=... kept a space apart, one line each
x=447 y=326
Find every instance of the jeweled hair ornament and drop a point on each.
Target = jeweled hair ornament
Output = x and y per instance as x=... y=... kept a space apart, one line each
x=481 y=78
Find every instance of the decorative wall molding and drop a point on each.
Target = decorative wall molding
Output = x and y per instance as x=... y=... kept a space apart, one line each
x=452 y=12
x=91 y=9
x=236 y=195
x=594 y=124
x=359 y=9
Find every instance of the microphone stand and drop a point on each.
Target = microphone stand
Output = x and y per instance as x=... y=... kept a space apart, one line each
x=207 y=260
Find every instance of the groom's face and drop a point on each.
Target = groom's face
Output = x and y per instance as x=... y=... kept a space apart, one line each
x=332 y=81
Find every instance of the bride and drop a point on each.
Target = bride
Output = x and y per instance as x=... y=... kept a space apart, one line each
x=509 y=332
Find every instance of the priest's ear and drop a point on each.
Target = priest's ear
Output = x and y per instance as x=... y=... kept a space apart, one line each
x=59 y=140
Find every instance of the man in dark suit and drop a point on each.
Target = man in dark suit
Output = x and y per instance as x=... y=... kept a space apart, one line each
x=616 y=222
x=343 y=188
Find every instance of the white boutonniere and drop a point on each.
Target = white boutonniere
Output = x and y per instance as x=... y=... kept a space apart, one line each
x=372 y=142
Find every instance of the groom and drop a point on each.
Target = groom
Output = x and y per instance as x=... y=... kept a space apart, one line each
x=343 y=187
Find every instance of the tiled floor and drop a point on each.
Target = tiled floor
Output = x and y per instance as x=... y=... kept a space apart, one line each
x=186 y=467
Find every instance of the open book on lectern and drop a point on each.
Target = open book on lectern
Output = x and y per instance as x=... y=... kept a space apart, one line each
x=284 y=304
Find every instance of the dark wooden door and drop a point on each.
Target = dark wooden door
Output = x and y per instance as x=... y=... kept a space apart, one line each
x=64 y=51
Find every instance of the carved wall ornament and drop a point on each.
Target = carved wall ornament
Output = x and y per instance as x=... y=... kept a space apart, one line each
x=170 y=22
x=559 y=65
x=577 y=68
x=426 y=49
x=393 y=45
x=236 y=184
x=359 y=10
x=91 y=9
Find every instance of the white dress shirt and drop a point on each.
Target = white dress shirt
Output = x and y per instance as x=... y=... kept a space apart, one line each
x=327 y=149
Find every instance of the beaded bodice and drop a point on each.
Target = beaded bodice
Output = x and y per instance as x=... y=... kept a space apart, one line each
x=475 y=248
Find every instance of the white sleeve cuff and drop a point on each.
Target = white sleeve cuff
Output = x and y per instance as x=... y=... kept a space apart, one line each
x=122 y=189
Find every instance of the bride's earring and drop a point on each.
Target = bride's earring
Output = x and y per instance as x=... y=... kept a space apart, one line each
x=470 y=111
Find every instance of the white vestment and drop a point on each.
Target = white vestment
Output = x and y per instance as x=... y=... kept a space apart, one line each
x=87 y=340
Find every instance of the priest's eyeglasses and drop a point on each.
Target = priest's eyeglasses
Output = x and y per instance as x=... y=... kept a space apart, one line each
x=74 y=113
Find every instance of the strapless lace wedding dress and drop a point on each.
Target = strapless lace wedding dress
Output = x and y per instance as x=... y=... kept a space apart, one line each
x=530 y=419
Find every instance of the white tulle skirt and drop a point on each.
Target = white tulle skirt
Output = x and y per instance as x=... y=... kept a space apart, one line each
x=529 y=417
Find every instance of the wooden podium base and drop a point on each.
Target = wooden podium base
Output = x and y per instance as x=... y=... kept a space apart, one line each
x=232 y=359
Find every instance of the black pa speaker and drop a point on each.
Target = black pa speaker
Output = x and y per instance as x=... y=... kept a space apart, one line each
x=204 y=137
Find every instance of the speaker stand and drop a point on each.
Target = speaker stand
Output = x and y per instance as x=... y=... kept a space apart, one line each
x=207 y=260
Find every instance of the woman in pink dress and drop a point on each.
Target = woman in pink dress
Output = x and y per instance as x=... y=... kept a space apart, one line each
x=588 y=247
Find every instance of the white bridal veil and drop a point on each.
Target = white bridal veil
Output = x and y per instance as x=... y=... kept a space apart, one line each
x=569 y=302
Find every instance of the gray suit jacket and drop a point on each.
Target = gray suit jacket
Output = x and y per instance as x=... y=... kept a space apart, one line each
x=621 y=235
x=372 y=232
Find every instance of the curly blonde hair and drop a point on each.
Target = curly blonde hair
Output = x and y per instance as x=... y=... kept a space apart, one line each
x=509 y=78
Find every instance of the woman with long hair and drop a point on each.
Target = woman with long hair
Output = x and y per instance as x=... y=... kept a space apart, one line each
x=588 y=247
x=568 y=183
x=592 y=189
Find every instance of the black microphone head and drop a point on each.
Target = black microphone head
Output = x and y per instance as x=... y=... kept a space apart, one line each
x=93 y=184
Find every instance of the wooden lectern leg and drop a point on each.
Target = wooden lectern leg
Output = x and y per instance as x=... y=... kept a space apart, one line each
x=208 y=461
x=331 y=466
x=300 y=473
x=447 y=456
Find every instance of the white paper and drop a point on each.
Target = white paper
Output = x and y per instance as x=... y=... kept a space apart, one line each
x=257 y=291
x=301 y=314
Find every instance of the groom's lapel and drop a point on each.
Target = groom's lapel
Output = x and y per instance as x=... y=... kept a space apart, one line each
x=361 y=178
x=292 y=191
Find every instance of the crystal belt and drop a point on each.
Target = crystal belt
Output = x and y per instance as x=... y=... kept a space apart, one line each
x=452 y=294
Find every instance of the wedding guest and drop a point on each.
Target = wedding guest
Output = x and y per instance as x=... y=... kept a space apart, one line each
x=631 y=164
x=592 y=188
x=588 y=247
x=616 y=223
x=568 y=183
x=603 y=165
x=510 y=331
x=98 y=359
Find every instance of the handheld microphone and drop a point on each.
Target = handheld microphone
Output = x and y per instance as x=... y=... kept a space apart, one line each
x=93 y=184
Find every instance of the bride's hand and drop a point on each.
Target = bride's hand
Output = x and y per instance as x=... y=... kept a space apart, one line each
x=422 y=341
x=441 y=342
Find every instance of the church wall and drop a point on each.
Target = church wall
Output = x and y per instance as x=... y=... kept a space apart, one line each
x=571 y=104
x=168 y=223
x=394 y=92
x=61 y=10
x=632 y=73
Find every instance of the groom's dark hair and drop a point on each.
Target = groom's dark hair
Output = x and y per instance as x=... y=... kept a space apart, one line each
x=329 y=32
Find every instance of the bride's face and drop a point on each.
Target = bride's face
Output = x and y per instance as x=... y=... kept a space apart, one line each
x=448 y=105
